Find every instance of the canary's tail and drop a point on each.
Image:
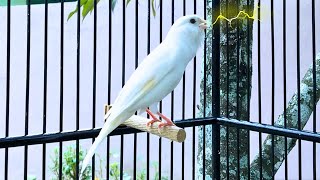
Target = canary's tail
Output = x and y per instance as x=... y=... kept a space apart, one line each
x=108 y=127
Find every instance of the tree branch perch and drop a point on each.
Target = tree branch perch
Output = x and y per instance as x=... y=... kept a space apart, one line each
x=173 y=133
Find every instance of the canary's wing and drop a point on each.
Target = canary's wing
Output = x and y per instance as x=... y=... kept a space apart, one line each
x=145 y=80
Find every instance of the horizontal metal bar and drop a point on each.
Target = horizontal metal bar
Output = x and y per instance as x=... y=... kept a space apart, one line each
x=269 y=129
x=84 y=134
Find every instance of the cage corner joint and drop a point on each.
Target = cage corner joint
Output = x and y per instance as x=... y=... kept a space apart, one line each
x=173 y=133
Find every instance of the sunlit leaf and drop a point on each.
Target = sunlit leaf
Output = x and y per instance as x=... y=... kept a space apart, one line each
x=82 y=2
x=87 y=8
x=72 y=13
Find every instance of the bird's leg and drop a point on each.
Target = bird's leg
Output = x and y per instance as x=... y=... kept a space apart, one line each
x=154 y=118
x=167 y=123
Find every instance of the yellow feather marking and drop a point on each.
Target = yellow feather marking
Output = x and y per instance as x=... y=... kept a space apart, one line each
x=150 y=84
x=113 y=123
x=147 y=86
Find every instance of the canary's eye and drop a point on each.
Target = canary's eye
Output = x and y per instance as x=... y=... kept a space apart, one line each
x=192 y=21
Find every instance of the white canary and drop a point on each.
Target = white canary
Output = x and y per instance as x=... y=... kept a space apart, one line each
x=156 y=77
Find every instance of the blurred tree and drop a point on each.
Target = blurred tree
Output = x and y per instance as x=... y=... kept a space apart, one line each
x=235 y=68
x=307 y=105
x=235 y=92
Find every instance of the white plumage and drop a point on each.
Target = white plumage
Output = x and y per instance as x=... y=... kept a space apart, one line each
x=157 y=76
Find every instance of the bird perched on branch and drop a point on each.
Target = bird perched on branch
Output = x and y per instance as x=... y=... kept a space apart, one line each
x=156 y=77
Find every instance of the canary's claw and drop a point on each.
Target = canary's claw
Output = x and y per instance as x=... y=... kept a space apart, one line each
x=167 y=123
x=149 y=123
x=163 y=124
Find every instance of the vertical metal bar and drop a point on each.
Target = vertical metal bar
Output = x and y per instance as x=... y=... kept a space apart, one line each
x=204 y=98
x=123 y=42
x=108 y=158
x=44 y=125
x=285 y=85
x=6 y=152
x=109 y=81
x=228 y=77
x=160 y=147
x=171 y=144
x=61 y=86
x=204 y=153
x=94 y=80
x=136 y=65
x=228 y=74
x=148 y=51
x=27 y=89
x=272 y=87
x=183 y=104
x=123 y=75
x=78 y=90
x=259 y=90
x=237 y=90
x=194 y=106
x=248 y=87
x=172 y=103
x=314 y=88
x=298 y=86
x=216 y=92
x=160 y=139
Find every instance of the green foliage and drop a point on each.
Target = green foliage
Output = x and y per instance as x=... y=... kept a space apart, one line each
x=155 y=166
x=141 y=175
x=114 y=171
x=88 y=5
x=69 y=164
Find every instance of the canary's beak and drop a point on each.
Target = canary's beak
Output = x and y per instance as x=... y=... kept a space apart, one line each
x=203 y=24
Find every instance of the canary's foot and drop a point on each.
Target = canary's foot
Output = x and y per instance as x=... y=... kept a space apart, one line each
x=149 y=123
x=167 y=123
x=154 y=118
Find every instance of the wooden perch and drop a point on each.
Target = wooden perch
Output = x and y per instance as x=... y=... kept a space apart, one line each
x=173 y=133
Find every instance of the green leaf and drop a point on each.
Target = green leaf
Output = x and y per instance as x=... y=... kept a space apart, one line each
x=82 y=2
x=153 y=8
x=87 y=8
x=128 y=1
x=113 y=4
x=72 y=13
x=69 y=164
